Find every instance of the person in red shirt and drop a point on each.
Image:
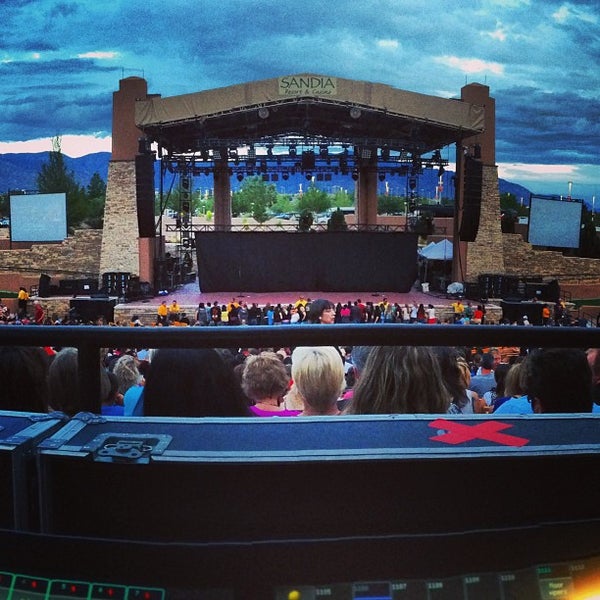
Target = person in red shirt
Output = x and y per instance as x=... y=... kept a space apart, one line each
x=38 y=313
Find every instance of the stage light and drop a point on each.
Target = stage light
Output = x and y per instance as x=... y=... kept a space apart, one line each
x=240 y=176
x=216 y=155
x=365 y=153
x=292 y=150
x=251 y=152
x=355 y=112
x=323 y=150
x=285 y=176
x=355 y=175
x=385 y=154
x=381 y=176
x=308 y=176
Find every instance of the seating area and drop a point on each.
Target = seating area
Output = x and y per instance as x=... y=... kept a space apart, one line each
x=329 y=504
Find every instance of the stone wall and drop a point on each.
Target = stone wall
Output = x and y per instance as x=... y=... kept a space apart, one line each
x=485 y=254
x=120 y=250
x=77 y=257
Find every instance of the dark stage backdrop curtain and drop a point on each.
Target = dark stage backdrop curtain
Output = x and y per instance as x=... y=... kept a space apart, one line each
x=344 y=261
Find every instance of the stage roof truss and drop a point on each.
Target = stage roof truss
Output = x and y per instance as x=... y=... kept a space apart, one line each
x=360 y=113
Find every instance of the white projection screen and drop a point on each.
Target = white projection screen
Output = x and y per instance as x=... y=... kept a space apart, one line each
x=554 y=222
x=38 y=217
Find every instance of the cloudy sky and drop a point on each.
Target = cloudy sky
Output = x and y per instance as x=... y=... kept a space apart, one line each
x=60 y=61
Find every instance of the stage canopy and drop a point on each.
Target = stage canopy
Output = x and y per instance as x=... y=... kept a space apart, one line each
x=437 y=251
x=330 y=109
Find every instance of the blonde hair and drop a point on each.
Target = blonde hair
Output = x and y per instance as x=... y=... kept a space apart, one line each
x=318 y=374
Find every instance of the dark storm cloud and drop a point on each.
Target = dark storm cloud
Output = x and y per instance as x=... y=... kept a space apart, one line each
x=59 y=59
x=546 y=127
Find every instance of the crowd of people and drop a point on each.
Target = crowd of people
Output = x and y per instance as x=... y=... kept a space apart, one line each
x=307 y=381
x=304 y=310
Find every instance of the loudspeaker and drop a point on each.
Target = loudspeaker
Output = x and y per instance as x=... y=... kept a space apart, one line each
x=473 y=182
x=44 y=286
x=552 y=292
x=308 y=160
x=89 y=309
x=144 y=191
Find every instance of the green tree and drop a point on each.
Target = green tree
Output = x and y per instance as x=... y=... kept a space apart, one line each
x=255 y=197
x=284 y=204
x=54 y=178
x=96 y=199
x=387 y=205
x=342 y=198
x=314 y=200
x=509 y=202
x=337 y=221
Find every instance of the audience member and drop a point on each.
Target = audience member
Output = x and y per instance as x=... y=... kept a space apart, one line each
x=558 y=380
x=593 y=358
x=484 y=381
x=265 y=382
x=321 y=311
x=555 y=380
x=318 y=374
x=63 y=383
x=23 y=373
x=456 y=376
x=514 y=390
x=500 y=373
x=400 y=379
x=112 y=405
x=191 y=382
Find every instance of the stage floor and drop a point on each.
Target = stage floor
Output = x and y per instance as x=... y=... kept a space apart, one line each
x=190 y=294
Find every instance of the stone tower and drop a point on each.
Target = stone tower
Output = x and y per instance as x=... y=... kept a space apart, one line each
x=123 y=250
x=485 y=254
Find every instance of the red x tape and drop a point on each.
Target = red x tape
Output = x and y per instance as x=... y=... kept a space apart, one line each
x=457 y=433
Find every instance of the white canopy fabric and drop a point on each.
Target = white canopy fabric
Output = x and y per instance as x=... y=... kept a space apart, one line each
x=440 y=251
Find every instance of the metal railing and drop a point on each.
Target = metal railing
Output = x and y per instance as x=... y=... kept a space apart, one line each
x=89 y=340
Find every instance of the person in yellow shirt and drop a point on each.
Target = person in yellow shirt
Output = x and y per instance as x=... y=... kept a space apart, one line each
x=174 y=311
x=22 y=299
x=162 y=313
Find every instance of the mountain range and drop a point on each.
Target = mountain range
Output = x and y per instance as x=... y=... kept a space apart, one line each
x=19 y=172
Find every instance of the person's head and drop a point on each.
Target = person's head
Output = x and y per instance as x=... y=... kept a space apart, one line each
x=514 y=384
x=318 y=374
x=487 y=361
x=500 y=374
x=593 y=358
x=63 y=382
x=454 y=371
x=558 y=380
x=127 y=372
x=400 y=379
x=192 y=382
x=321 y=311
x=23 y=372
x=264 y=376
